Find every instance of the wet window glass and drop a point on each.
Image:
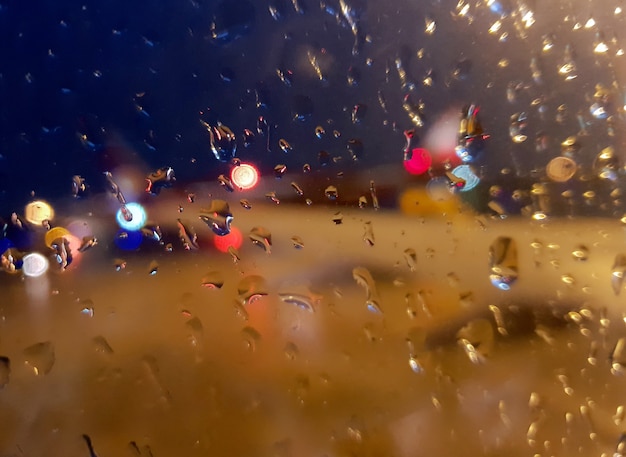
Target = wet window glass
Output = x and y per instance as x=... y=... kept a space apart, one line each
x=312 y=227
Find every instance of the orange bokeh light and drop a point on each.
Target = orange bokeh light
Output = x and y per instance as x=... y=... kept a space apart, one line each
x=244 y=176
x=234 y=239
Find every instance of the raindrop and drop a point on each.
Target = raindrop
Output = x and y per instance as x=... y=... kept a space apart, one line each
x=213 y=280
x=354 y=76
x=617 y=273
x=280 y=170
x=291 y=351
x=251 y=288
x=477 y=339
x=323 y=157
x=620 y=449
x=119 y=264
x=297 y=189
x=337 y=218
x=503 y=263
x=248 y=138
x=284 y=145
x=320 y=132
x=5 y=371
x=272 y=197
x=40 y=357
x=227 y=74
x=618 y=417
x=331 y=193
x=355 y=148
x=101 y=345
x=262 y=237
x=223 y=141
x=410 y=256
x=232 y=20
x=374 y=195
x=153 y=268
x=301 y=301
x=234 y=253
x=297 y=242
x=151 y=372
x=196 y=332
x=358 y=113
x=241 y=311
x=251 y=338
x=364 y=278
x=618 y=357
x=217 y=217
x=187 y=235
x=368 y=234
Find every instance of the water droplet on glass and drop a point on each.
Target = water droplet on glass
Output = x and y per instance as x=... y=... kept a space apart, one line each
x=5 y=371
x=151 y=372
x=477 y=339
x=232 y=20
x=368 y=234
x=272 y=197
x=284 y=146
x=618 y=357
x=331 y=193
x=355 y=148
x=503 y=263
x=363 y=277
x=300 y=300
x=40 y=357
x=618 y=417
x=358 y=113
x=291 y=351
x=196 y=332
x=617 y=273
x=297 y=189
x=354 y=76
x=410 y=256
x=153 y=268
x=297 y=242
x=416 y=343
x=320 y=132
x=213 y=280
x=337 y=218
x=262 y=237
x=245 y=203
x=119 y=264
x=580 y=253
x=217 y=217
x=101 y=345
x=280 y=170
x=223 y=141
x=251 y=288
x=251 y=338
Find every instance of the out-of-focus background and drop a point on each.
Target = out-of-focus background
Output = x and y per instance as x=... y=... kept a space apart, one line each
x=367 y=295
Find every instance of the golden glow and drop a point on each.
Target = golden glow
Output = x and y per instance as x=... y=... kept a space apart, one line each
x=38 y=212
x=495 y=27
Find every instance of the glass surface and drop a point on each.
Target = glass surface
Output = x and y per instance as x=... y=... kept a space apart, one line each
x=312 y=227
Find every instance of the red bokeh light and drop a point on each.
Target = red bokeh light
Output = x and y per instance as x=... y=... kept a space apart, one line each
x=419 y=163
x=244 y=176
x=234 y=239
